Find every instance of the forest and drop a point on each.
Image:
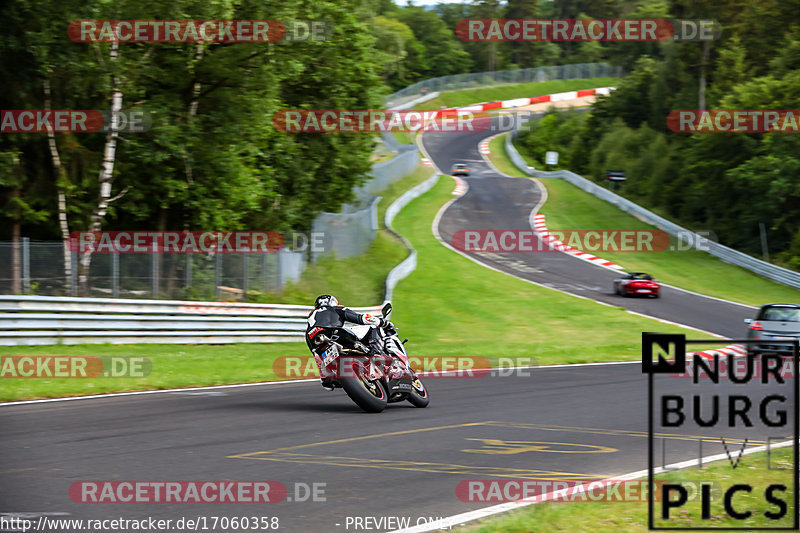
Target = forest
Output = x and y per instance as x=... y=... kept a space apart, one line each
x=211 y=157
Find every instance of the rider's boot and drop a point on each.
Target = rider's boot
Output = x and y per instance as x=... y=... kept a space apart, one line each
x=327 y=383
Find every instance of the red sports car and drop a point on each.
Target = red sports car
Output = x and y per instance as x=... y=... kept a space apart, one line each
x=635 y=284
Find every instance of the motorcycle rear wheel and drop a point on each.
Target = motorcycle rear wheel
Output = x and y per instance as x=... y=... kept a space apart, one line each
x=371 y=396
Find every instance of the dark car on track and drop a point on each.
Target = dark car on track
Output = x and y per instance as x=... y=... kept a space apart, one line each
x=460 y=169
x=774 y=322
x=637 y=284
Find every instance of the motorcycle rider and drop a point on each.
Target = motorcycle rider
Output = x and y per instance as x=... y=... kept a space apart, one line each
x=328 y=313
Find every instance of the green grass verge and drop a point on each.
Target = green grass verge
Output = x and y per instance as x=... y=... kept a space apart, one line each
x=403 y=137
x=172 y=366
x=611 y=517
x=500 y=159
x=570 y=208
x=507 y=92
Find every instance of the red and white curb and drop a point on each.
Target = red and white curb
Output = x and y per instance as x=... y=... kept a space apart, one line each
x=520 y=102
x=427 y=162
x=461 y=186
x=483 y=147
x=517 y=102
x=540 y=227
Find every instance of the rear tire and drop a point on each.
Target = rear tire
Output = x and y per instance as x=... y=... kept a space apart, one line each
x=419 y=394
x=371 y=396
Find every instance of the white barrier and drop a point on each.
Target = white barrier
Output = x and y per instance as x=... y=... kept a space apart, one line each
x=409 y=263
x=42 y=320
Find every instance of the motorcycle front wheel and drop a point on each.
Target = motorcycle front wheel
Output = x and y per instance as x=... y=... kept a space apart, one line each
x=370 y=395
x=419 y=394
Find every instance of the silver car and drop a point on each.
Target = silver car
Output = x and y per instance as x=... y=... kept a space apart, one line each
x=774 y=322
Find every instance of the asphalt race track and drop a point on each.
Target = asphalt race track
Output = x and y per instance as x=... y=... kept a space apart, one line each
x=574 y=423
x=557 y=423
x=494 y=202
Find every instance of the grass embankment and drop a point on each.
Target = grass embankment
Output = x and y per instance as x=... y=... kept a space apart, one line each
x=466 y=97
x=569 y=208
x=611 y=517
x=403 y=137
x=500 y=159
x=449 y=305
x=359 y=280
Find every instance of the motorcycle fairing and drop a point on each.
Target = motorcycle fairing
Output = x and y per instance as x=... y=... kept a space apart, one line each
x=358 y=331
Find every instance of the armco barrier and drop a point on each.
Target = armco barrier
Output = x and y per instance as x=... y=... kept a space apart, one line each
x=42 y=320
x=515 y=156
x=409 y=263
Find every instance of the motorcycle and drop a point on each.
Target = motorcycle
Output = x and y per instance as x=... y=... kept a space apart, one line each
x=371 y=378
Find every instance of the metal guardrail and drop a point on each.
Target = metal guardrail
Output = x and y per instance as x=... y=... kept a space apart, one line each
x=514 y=155
x=408 y=265
x=43 y=320
x=729 y=255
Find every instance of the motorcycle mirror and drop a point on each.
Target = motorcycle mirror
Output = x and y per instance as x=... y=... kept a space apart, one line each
x=386 y=309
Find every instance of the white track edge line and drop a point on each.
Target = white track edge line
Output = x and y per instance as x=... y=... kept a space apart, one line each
x=240 y=385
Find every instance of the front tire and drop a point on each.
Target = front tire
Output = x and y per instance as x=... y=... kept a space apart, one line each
x=419 y=394
x=371 y=396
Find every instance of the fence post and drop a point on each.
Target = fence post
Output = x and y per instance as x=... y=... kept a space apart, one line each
x=73 y=289
x=264 y=267
x=188 y=281
x=155 y=273
x=115 y=275
x=26 y=265
x=245 y=275
x=217 y=273
x=279 y=268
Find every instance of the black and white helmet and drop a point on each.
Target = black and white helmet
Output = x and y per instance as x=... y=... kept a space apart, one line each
x=326 y=300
